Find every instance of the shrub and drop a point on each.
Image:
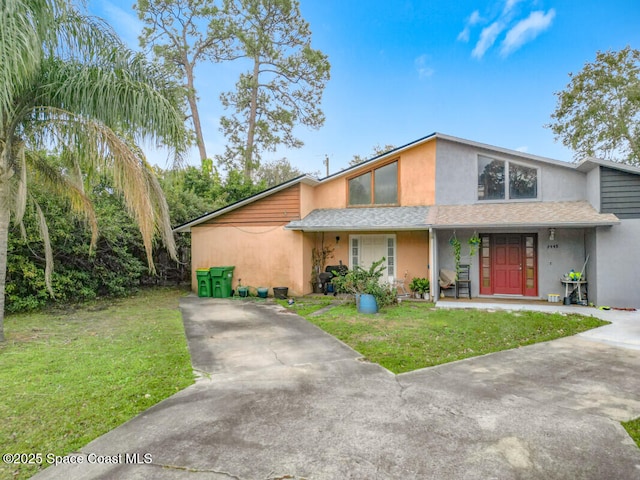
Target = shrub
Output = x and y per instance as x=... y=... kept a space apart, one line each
x=359 y=280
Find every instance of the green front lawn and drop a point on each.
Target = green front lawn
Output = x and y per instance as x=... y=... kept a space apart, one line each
x=415 y=335
x=69 y=376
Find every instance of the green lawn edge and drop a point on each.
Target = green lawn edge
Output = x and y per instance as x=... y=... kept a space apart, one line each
x=371 y=336
x=69 y=375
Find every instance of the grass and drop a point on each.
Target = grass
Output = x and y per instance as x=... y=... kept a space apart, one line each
x=416 y=335
x=633 y=428
x=69 y=376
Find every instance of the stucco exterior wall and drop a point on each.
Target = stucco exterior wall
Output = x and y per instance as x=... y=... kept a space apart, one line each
x=412 y=251
x=456 y=175
x=558 y=257
x=618 y=250
x=593 y=188
x=555 y=258
x=332 y=194
x=307 y=196
x=262 y=256
x=413 y=255
x=417 y=175
x=416 y=181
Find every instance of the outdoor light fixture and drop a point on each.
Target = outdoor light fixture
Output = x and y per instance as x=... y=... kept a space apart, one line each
x=552 y=234
x=337 y=241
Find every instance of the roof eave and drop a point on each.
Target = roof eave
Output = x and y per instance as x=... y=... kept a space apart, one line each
x=377 y=228
x=551 y=224
x=186 y=227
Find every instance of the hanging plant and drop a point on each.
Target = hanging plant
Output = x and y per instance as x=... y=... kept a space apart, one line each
x=474 y=242
x=456 y=246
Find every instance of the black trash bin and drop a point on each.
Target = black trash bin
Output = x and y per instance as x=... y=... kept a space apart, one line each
x=280 y=292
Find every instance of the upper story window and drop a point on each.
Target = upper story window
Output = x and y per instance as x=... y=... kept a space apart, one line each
x=375 y=187
x=504 y=180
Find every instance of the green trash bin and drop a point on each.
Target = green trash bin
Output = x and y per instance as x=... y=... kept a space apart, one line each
x=221 y=278
x=204 y=282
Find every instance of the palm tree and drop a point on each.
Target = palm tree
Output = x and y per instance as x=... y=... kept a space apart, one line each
x=68 y=84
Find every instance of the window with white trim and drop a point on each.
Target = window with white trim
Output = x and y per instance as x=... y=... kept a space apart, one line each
x=366 y=249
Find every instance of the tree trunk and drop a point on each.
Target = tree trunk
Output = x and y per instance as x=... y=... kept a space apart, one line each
x=4 y=233
x=195 y=115
x=253 y=112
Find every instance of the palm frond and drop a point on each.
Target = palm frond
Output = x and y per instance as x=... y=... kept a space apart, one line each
x=123 y=98
x=26 y=27
x=59 y=183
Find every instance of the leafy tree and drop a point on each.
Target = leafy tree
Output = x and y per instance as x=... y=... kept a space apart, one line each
x=174 y=30
x=377 y=151
x=277 y=172
x=115 y=268
x=598 y=113
x=70 y=83
x=283 y=86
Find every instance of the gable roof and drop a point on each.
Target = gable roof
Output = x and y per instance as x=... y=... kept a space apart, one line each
x=590 y=163
x=186 y=227
x=378 y=219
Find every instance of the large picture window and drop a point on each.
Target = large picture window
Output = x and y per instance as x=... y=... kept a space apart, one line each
x=376 y=187
x=494 y=176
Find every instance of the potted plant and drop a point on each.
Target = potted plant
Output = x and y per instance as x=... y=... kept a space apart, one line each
x=474 y=243
x=425 y=287
x=420 y=287
x=415 y=286
x=365 y=285
x=243 y=291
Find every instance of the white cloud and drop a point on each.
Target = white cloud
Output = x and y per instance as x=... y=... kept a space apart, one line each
x=488 y=37
x=508 y=6
x=424 y=70
x=523 y=149
x=526 y=30
x=474 y=19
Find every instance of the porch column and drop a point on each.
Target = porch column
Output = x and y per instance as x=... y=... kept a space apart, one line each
x=433 y=267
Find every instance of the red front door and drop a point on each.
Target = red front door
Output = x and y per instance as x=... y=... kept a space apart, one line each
x=507 y=265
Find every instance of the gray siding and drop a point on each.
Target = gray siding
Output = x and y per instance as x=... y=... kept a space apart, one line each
x=457 y=175
x=619 y=193
x=616 y=261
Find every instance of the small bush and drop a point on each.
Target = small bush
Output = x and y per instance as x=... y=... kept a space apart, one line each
x=359 y=280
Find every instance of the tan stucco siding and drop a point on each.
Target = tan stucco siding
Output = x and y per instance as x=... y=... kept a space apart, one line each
x=413 y=255
x=332 y=194
x=277 y=209
x=412 y=251
x=307 y=199
x=418 y=175
x=263 y=256
x=416 y=180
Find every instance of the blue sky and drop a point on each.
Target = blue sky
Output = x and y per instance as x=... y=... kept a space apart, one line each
x=402 y=69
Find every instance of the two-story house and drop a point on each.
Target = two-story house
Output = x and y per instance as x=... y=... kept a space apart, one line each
x=536 y=219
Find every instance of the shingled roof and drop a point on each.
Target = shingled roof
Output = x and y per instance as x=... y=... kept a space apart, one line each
x=515 y=214
x=374 y=218
x=519 y=214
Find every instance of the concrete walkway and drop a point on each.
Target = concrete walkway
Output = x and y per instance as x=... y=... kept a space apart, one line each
x=280 y=399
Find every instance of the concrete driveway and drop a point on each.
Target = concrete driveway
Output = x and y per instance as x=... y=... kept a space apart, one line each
x=280 y=399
